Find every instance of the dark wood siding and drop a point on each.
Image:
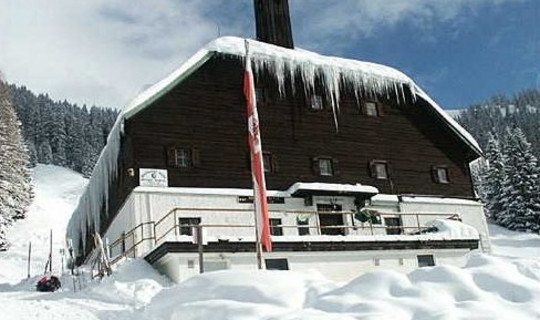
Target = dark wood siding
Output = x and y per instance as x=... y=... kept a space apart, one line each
x=207 y=112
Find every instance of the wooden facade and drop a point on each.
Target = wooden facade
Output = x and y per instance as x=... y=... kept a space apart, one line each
x=206 y=113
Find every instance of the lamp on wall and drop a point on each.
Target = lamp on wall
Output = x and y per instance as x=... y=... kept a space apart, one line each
x=131 y=172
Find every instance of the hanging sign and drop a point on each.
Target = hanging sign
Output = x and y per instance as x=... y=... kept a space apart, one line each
x=153 y=177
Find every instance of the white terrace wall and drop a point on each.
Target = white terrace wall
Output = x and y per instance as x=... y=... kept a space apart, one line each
x=152 y=204
x=338 y=266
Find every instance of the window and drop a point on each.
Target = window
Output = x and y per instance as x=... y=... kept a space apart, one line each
x=186 y=225
x=325 y=167
x=379 y=169
x=316 y=102
x=182 y=157
x=440 y=174
x=275 y=227
x=303 y=229
x=370 y=109
x=425 y=260
x=276 y=264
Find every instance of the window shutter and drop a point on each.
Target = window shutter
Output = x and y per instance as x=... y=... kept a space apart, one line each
x=315 y=166
x=248 y=160
x=195 y=158
x=380 y=109
x=389 y=171
x=335 y=166
x=274 y=164
x=434 y=175
x=171 y=156
x=372 y=169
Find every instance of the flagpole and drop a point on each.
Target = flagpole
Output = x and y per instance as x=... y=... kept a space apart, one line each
x=258 y=246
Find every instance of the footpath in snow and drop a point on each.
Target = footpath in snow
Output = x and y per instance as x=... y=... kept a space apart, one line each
x=505 y=285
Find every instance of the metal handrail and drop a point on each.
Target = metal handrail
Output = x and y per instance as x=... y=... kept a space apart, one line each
x=173 y=212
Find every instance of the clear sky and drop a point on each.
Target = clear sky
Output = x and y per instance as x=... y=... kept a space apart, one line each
x=106 y=51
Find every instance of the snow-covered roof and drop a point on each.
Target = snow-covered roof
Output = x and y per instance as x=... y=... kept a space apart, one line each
x=440 y=200
x=317 y=187
x=368 y=78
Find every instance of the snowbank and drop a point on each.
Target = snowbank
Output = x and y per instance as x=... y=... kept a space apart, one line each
x=454 y=229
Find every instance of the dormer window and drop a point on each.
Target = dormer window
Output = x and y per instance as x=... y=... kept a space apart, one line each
x=440 y=174
x=316 y=102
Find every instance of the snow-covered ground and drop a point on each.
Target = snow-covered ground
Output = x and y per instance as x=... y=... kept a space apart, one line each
x=503 y=286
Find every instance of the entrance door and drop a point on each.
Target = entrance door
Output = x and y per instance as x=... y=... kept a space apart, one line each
x=330 y=215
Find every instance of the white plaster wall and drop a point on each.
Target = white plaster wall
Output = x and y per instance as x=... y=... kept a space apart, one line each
x=146 y=204
x=337 y=266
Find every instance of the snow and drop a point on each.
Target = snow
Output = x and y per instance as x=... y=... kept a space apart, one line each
x=454 y=229
x=512 y=244
x=504 y=286
x=333 y=187
x=438 y=200
x=56 y=193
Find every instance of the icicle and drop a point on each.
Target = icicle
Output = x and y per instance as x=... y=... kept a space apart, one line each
x=88 y=211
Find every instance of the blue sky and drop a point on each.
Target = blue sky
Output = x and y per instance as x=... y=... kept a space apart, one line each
x=104 y=51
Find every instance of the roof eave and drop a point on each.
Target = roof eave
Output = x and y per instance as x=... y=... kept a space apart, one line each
x=161 y=88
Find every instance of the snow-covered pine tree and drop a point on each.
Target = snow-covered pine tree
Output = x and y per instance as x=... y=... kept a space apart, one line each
x=521 y=188
x=15 y=186
x=62 y=133
x=492 y=179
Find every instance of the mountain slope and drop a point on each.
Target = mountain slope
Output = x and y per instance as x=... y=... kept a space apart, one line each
x=56 y=192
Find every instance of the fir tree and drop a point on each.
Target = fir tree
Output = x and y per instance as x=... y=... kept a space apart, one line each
x=493 y=179
x=520 y=190
x=15 y=186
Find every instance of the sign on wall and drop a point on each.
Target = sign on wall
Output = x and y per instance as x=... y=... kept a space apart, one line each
x=153 y=178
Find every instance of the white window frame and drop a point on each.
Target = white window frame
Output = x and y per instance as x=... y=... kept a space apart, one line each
x=442 y=175
x=371 y=109
x=328 y=169
x=381 y=170
x=183 y=157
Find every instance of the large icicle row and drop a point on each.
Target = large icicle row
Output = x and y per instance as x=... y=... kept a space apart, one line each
x=291 y=67
x=87 y=215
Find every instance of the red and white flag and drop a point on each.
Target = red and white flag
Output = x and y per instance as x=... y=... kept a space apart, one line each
x=257 y=171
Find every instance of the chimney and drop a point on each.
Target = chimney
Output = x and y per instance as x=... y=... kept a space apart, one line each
x=273 y=22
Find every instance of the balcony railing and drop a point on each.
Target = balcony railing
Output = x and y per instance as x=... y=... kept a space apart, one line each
x=153 y=233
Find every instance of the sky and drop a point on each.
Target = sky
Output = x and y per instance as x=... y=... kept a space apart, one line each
x=104 y=52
